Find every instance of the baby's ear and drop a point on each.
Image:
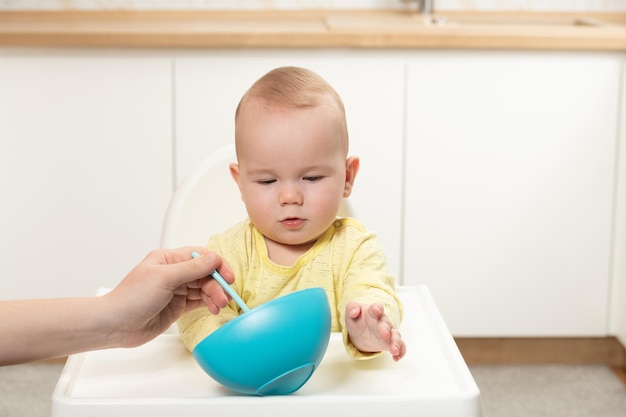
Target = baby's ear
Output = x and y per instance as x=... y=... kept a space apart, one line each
x=234 y=172
x=353 y=163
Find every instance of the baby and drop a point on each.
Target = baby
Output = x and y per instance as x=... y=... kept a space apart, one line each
x=293 y=170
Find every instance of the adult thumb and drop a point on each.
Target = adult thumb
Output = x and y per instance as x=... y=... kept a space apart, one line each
x=200 y=266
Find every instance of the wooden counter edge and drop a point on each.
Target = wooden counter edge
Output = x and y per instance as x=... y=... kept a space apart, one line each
x=171 y=29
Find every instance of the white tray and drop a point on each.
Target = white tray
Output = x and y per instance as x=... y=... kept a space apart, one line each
x=161 y=378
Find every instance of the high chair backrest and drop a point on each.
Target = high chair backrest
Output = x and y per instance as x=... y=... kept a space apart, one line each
x=206 y=202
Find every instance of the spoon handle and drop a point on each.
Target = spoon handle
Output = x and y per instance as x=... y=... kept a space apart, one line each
x=216 y=275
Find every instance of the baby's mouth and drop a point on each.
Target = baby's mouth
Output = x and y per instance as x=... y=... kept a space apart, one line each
x=292 y=222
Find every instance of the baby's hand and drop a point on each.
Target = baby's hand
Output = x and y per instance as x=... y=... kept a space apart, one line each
x=370 y=330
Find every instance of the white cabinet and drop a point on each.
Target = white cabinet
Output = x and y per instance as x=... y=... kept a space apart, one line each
x=209 y=86
x=618 y=283
x=510 y=179
x=85 y=167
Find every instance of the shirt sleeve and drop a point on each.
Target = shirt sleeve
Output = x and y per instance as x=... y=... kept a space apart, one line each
x=368 y=281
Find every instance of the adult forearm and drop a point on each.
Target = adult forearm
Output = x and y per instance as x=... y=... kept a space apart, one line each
x=37 y=329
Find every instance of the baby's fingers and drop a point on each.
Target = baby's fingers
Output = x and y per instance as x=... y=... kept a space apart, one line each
x=376 y=311
x=353 y=310
x=397 y=347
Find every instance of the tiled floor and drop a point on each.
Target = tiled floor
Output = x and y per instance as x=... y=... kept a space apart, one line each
x=550 y=390
x=26 y=390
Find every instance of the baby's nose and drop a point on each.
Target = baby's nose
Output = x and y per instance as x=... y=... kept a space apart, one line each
x=290 y=194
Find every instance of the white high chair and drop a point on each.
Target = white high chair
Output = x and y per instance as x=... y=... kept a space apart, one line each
x=206 y=202
x=161 y=378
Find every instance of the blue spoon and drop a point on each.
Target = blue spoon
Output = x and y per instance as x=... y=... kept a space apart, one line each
x=216 y=275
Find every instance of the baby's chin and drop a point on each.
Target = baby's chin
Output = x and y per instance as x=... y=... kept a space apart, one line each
x=295 y=241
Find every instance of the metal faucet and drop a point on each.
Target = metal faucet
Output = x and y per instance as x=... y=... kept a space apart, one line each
x=427 y=9
x=426 y=6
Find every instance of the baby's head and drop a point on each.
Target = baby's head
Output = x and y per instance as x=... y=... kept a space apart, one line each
x=291 y=139
x=293 y=88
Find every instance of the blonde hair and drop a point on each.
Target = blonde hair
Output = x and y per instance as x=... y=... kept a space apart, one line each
x=295 y=88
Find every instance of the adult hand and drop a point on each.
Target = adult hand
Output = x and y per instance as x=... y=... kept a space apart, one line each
x=145 y=303
x=166 y=284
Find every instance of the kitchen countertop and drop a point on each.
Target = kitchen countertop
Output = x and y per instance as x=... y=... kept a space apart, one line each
x=313 y=29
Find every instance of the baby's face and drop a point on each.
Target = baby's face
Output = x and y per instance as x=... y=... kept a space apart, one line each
x=291 y=170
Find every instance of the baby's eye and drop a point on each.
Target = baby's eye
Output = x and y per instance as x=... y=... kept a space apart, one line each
x=266 y=182
x=312 y=178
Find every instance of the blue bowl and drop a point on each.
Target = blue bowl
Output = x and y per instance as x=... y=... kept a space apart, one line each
x=272 y=349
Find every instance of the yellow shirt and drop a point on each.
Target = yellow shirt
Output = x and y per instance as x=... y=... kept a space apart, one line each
x=346 y=261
